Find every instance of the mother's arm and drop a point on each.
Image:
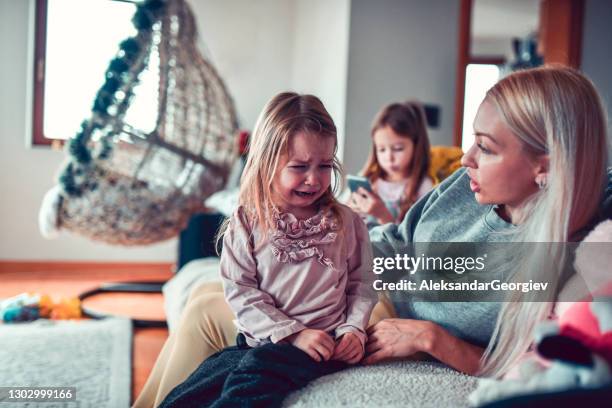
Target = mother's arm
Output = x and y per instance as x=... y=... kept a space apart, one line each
x=396 y=338
x=400 y=338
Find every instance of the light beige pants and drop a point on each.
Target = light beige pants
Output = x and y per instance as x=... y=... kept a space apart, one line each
x=205 y=328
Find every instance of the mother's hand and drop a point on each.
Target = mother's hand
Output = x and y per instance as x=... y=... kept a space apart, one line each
x=393 y=338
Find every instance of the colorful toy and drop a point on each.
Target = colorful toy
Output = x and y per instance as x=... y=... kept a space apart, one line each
x=26 y=307
x=576 y=351
x=69 y=308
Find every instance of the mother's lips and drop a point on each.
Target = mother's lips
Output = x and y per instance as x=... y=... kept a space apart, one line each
x=474 y=186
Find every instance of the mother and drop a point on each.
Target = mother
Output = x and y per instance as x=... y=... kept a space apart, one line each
x=536 y=173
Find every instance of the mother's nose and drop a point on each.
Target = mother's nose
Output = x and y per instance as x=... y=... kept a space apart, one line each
x=469 y=158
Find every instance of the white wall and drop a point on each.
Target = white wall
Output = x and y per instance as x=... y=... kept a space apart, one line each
x=398 y=50
x=320 y=55
x=597 y=53
x=251 y=44
x=493 y=46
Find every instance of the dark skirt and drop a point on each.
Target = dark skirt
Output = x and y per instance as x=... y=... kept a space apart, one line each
x=241 y=376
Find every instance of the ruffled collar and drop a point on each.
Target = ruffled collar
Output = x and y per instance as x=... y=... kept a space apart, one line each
x=294 y=240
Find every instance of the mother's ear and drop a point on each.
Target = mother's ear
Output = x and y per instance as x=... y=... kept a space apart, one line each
x=540 y=171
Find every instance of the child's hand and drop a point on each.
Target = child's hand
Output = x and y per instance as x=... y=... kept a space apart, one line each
x=365 y=202
x=348 y=349
x=316 y=343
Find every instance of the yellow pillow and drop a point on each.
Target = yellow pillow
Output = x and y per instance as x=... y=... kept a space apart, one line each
x=444 y=160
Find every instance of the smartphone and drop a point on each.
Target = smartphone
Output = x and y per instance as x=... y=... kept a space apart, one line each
x=354 y=182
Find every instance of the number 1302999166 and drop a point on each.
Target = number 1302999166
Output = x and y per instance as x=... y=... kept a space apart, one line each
x=37 y=394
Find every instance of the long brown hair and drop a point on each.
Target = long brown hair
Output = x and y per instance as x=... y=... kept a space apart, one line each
x=407 y=120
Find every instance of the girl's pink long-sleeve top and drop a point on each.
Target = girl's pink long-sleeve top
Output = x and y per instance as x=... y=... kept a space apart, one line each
x=314 y=273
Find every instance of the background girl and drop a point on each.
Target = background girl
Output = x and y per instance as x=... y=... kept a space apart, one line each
x=295 y=266
x=397 y=166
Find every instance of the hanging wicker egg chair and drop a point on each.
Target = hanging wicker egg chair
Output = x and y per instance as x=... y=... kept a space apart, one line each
x=127 y=186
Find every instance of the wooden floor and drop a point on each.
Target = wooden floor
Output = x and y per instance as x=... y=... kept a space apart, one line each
x=70 y=279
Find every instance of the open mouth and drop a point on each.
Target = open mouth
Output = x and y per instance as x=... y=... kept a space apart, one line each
x=474 y=186
x=305 y=194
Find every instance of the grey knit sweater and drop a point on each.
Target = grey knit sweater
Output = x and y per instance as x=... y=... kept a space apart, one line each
x=448 y=213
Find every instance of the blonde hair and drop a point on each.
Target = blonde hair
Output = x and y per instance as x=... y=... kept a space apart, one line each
x=554 y=111
x=285 y=115
x=407 y=120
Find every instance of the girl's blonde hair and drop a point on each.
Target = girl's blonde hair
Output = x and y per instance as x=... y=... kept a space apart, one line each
x=284 y=115
x=554 y=111
x=407 y=120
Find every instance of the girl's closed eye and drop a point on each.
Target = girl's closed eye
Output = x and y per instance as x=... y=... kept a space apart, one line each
x=297 y=166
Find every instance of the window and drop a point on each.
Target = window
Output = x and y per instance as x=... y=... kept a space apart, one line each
x=478 y=79
x=75 y=40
